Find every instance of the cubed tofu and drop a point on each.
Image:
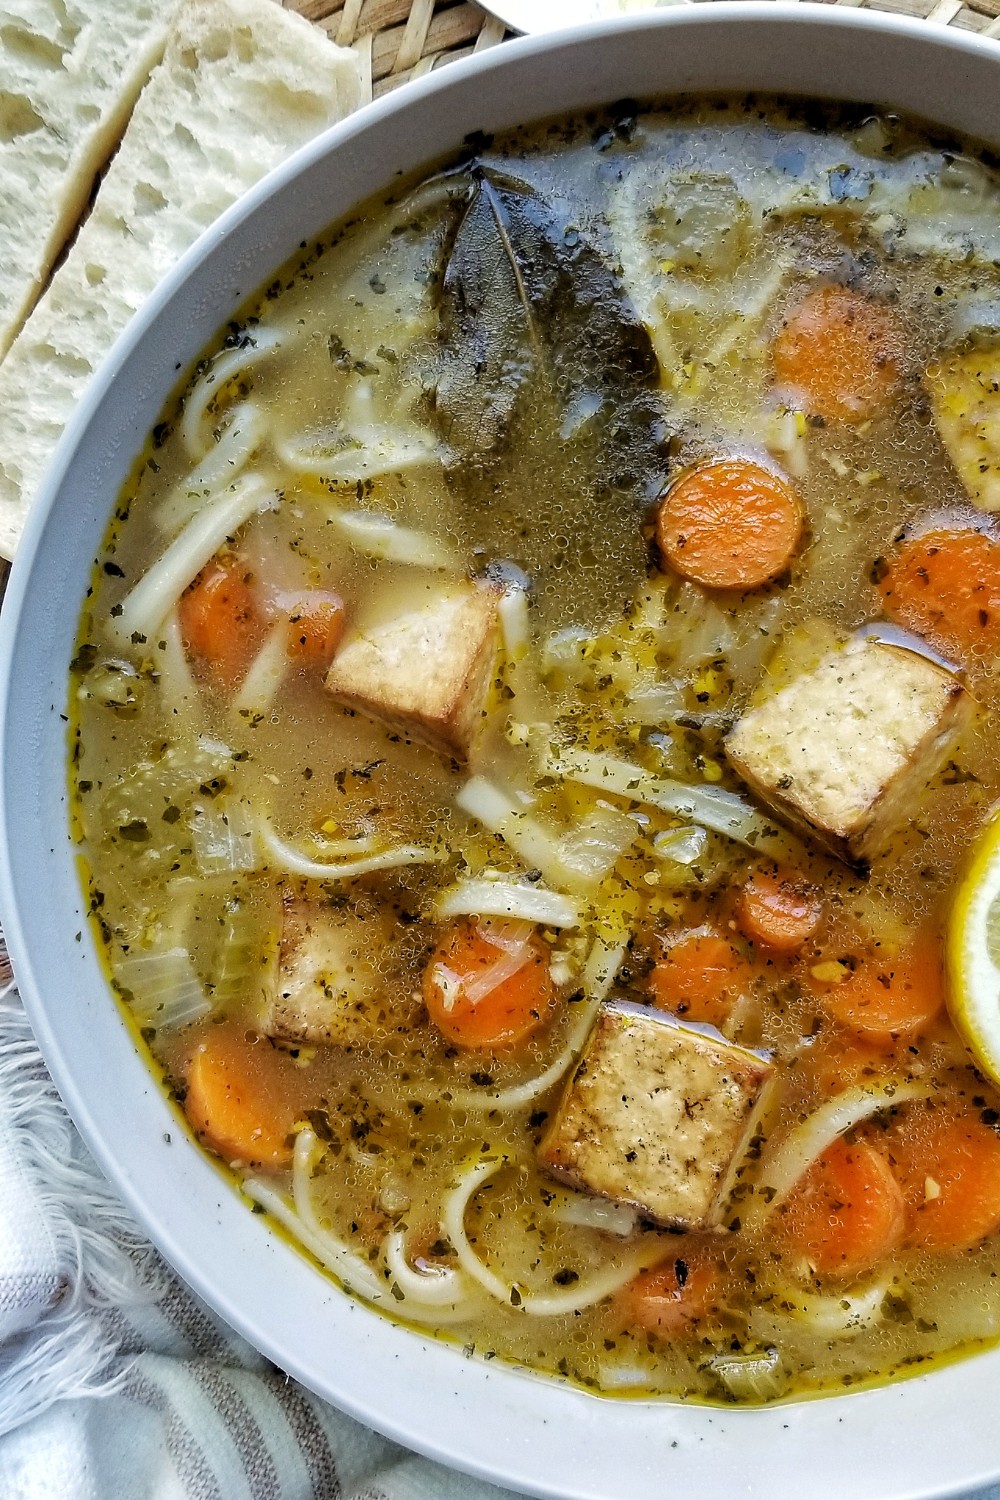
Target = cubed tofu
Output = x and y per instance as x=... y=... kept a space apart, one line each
x=426 y=672
x=841 y=751
x=965 y=397
x=658 y=1115
x=326 y=989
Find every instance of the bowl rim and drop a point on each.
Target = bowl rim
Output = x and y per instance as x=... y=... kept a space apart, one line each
x=675 y=1441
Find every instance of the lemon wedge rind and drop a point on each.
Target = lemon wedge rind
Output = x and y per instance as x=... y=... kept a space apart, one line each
x=973 y=951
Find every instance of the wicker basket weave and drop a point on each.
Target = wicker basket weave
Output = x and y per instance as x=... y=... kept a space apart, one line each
x=401 y=39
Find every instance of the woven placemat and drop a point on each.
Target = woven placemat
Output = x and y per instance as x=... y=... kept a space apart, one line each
x=401 y=39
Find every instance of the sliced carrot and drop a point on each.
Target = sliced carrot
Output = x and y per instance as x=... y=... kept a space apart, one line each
x=315 y=626
x=838 y=352
x=671 y=1298
x=500 y=1015
x=700 y=977
x=729 y=525
x=241 y=1097
x=778 y=909
x=948 y=1162
x=847 y=1213
x=945 y=586
x=884 y=997
x=221 y=622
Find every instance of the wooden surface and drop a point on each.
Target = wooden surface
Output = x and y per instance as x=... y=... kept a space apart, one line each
x=401 y=39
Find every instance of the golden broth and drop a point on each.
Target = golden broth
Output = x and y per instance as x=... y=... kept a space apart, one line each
x=701 y=228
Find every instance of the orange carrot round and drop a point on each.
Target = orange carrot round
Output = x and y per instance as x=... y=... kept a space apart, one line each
x=500 y=1015
x=729 y=525
x=838 y=352
x=700 y=977
x=948 y=1162
x=221 y=622
x=779 y=910
x=241 y=1097
x=847 y=1213
x=671 y=1298
x=945 y=586
x=315 y=626
x=883 y=997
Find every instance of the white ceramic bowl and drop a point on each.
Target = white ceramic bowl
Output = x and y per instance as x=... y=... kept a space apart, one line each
x=930 y=1436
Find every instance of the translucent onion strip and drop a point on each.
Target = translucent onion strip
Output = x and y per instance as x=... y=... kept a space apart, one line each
x=222 y=835
x=166 y=992
x=834 y=1314
x=792 y=1157
x=154 y=596
x=584 y=1293
x=723 y=812
x=242 y=435
x=579 y=859
x=506 y=898
x=596 y=1213
x=178 y=689
x=380 y=537
x=498 y=973
x=225 y=367
x=601 y=968
x=286 y=857
x=266 y=673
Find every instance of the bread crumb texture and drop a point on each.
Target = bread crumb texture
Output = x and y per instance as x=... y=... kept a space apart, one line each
x=70 y=73
x=242 y=84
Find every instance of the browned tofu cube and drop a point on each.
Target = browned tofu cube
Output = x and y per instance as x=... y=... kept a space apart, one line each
x=842 y=750
x=657 y=1115
x=327 y=988
x=426 y=672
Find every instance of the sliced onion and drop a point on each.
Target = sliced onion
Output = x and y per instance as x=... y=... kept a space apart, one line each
x=259 y=687
x=507 y=898
x=596 y=1213
x=223 y=838
x=713 y=807
x=751 y=1377
x=491 y=978
x=601 y=968
x=791 y=1157
x=834 y=1314
x=166 y=992
x=578 y=860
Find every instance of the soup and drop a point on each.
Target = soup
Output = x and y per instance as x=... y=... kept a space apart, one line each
x=534 y=702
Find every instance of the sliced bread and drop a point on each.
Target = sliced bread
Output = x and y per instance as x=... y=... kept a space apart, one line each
x=71 y=71
x=242 y=83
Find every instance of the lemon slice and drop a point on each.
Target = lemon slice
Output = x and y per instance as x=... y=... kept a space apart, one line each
x=973 y=952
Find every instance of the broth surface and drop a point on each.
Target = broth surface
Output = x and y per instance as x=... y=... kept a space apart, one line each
x=505 y=365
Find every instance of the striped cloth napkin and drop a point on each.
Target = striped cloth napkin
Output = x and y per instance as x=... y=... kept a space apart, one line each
x=116 y=1382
